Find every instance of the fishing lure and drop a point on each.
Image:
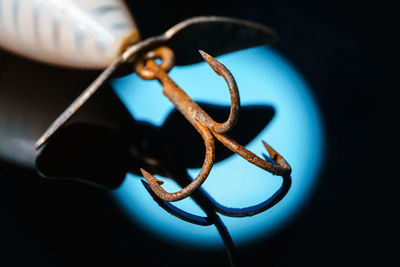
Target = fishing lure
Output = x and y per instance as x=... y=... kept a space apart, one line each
x=101 y=34
x=71 y=33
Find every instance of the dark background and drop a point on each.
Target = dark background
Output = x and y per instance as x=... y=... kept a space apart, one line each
x=344 y=50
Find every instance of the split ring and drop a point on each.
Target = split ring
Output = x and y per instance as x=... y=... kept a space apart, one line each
x=164 y=53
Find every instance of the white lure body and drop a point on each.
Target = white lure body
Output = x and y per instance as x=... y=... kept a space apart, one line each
x=72 y=33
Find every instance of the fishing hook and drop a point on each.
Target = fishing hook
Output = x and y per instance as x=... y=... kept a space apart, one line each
x=187 y=107
x=148 y=69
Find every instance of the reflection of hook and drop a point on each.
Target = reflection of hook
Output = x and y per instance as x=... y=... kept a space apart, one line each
x=212 y=207
x=201 y=198
x=148 y=69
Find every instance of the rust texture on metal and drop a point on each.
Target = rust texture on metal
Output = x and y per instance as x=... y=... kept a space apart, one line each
x=148 y=69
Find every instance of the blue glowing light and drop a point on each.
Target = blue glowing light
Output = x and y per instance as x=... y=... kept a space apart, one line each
x=265 y=78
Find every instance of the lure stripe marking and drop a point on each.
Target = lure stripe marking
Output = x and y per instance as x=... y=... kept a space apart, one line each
x=101 y=45
x=99 y=11
x=56 y=29
x=120 y=26
x=15 y=10
x=1 y=13
x=79 y=38
x=36 y=15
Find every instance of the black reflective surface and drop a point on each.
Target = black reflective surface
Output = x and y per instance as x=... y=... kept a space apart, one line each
x=343 y=51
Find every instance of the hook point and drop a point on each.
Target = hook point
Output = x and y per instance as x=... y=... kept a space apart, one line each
x=204 y=55
x=150 y=178
x=212 y=62
x=272 y=153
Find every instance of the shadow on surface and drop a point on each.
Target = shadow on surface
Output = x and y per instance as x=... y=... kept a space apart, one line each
x=103 y=156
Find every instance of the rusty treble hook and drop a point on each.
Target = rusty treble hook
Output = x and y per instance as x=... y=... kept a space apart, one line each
x=148 y=69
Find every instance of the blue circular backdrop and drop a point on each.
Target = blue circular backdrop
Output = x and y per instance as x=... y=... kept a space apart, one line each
x=295 y=131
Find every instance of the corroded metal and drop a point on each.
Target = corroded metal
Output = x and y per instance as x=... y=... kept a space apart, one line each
x=188 y=108
x=148 y=69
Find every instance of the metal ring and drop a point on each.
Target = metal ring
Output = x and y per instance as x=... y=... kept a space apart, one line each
x=164 y=53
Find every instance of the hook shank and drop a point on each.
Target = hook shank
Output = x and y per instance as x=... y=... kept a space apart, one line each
x=188 y=108
x=282 y=169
